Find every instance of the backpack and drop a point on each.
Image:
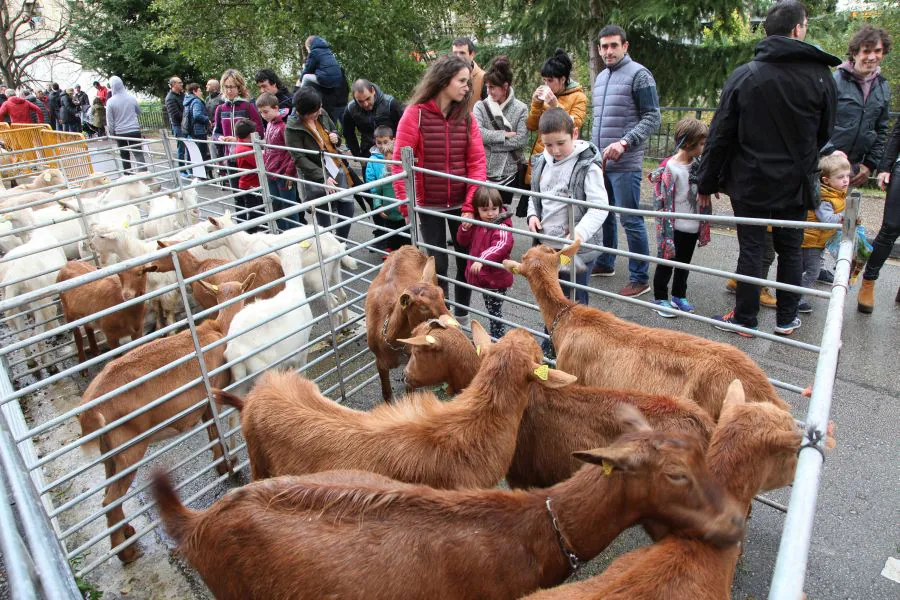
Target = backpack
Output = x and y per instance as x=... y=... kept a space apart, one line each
x=187 y=119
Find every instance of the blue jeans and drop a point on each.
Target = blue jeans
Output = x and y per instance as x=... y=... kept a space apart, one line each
x=176 y=131
x=581 y=278
x=282 y=198
x=624 y=190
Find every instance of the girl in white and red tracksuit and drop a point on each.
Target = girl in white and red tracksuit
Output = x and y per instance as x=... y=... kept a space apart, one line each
x=444 y=137
x=491 y=244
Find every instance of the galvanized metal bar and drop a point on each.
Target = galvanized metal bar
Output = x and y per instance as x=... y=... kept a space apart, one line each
x=52 y=567
x=793 y=551
x=263 y=179
x=201 y=361
x=409 y=162
x=20 y=572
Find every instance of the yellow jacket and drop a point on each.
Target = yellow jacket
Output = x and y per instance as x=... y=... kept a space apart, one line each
x=833 y=203
x=572 y=100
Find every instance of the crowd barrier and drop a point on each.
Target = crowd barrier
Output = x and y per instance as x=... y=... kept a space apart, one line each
x=41 y=445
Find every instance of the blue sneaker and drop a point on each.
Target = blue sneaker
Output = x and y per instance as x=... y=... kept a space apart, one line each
x=729 y=319
x=666 y=304
x=789 y=328
x=682 y=304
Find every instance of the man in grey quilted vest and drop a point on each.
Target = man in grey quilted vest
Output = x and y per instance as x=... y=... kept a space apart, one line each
x=626 y=113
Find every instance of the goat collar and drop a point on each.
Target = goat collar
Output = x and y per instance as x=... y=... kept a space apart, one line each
x=564 y=546
x=391 y=345
x=556 y=319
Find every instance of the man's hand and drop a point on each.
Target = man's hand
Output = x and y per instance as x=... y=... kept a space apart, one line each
x=475 y=269
x=703 y=200
x=534 y=224
x=333 y=137
x=862 y=177
x=884 y=179
x=467 y=215
x=614 y=151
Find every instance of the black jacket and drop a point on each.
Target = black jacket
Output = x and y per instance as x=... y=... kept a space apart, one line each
x=54 y=102
x=285 y=100
x=861 y=126
x=175 y=109
x=892 y=150
x=386 y=111
x=212 y=101
x=746 y=154
x=68 y=110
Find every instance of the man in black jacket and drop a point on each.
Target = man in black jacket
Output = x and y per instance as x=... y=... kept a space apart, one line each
x=175 y=111
x=369 y=109
x=54 y=105
x=787 y=97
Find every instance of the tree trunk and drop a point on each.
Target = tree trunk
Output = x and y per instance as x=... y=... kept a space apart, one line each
x=596 y=65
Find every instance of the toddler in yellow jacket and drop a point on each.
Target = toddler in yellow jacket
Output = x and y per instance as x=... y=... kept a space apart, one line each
x=836 y=173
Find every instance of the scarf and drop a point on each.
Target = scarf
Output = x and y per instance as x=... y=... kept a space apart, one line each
x=865 y=81
x=498 y=119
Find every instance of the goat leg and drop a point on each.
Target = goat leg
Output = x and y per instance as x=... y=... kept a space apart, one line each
x=79 y=347
x=89 y=330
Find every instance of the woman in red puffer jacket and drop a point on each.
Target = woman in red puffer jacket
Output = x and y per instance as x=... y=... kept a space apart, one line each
x=444 y=137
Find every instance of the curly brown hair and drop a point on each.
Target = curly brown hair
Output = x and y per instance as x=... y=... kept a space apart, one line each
x=868 y=35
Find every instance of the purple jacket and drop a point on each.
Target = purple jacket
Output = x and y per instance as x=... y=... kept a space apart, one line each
x=229 y=111
x=279 y=162
x=490 y=244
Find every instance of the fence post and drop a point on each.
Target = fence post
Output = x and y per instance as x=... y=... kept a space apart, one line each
x=204 y=373
x=793 y=550
x=329 y=298
x=263 y=179
x=409 y=160
x=176 y=175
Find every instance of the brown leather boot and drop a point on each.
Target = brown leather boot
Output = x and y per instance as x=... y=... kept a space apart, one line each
x=866 y=298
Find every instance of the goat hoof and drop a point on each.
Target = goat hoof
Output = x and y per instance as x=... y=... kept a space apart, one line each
x=31 y=363
x=222 y=467
x=128 y=531
x=84 y=373
x=129 y=555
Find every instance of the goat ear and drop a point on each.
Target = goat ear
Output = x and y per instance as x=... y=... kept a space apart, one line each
x=551 y=378
x=162 y=244
x=512 y=266
x=421 y=340
x=622 y=457
x=214 y=221
x=405 y=299
x=429 y=274
x=446 y=321
x=787 y=441
x=480 y=337
x=569 y=251
x=631 y=419
x=248 y=282
x=151 y=268
x=214 y=289
x=735 y=394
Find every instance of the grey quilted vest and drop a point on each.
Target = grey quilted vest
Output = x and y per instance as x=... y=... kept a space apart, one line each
x=615 y=113
x=590 y=155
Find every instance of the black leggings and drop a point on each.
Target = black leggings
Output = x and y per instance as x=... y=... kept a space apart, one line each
x=684 y=251
x=890 y=228
x=434 y=233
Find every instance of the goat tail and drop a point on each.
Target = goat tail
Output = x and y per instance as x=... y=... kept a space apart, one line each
x=228 y=399
x=176 y=517
x=348 y=262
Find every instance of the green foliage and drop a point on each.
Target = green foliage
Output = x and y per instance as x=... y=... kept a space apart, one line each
x=113 y=37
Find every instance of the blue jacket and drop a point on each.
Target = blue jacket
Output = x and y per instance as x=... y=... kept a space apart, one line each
x=196 y=116
x=375 y=170
x=322 y=63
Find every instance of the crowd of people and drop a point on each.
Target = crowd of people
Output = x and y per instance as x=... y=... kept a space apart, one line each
x=64 y=110
x=788 y=140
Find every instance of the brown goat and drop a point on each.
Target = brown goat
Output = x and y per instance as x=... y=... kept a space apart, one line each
x=605 y=351
x=291 y=429
x=136 y=363
x=327 y=535
x=753 y=449
x=402 y=295
x=101 y=294
x=556 y=422
x=266 y=268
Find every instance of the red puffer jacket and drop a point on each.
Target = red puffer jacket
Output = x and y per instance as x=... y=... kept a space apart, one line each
x=439 y=144
x=490 y=244
x=20 y=110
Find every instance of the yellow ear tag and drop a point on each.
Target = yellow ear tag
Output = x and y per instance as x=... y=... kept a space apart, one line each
x=542 y=372
x=126 y=224
x=607 y=468
x=305 y=244
x=564 y=260
x=516 y=271
x=430 y=339
x=214 y=287
x=478 y=350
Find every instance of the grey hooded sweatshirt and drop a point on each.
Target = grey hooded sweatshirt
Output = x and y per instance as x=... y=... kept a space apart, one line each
x=122 y=110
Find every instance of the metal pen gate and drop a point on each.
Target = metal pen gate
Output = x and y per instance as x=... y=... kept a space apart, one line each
x=55 y=493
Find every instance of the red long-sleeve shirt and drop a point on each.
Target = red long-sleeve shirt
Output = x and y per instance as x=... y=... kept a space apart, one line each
x=19 y=110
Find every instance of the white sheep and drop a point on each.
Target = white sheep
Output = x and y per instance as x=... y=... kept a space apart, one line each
x=242 y=243
x=22 y=272
x=297 y=319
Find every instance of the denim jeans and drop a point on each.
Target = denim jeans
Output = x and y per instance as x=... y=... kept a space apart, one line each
x=282 y=198
x=581 y=278
x=624 y=190
x=176 y=131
